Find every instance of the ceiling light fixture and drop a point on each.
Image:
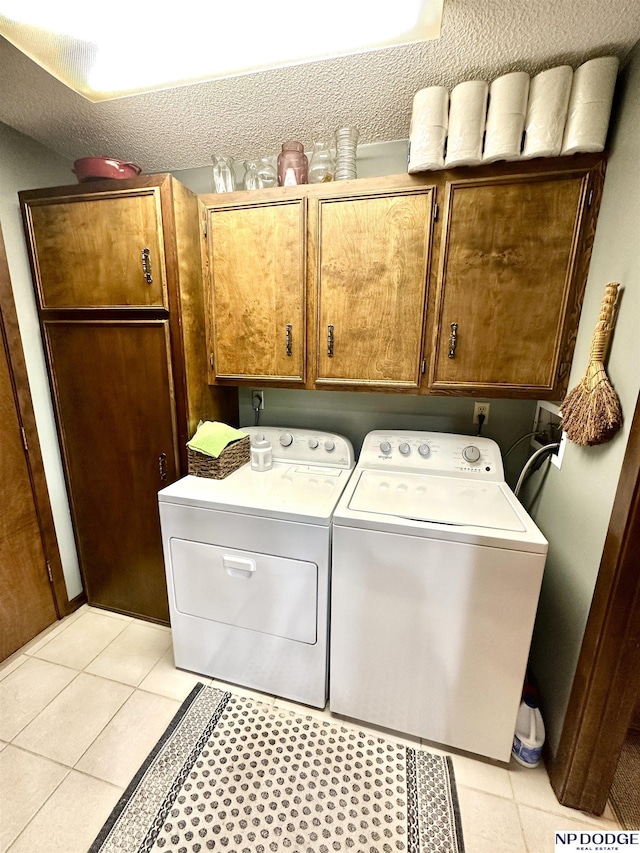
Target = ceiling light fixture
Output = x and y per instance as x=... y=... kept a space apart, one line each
x=106 y=52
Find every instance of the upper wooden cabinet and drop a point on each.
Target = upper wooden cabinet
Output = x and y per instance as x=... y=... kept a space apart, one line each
x=257 y=258
x=99 y=250
x=476 y=273
x=371 y=282
x=509 y=282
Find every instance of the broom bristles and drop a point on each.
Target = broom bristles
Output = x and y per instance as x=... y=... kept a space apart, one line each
x=591 y=412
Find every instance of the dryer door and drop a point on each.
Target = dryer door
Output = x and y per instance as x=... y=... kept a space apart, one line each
x=260 y=592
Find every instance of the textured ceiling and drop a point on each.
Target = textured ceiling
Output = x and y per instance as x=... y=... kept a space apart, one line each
x=243 y=116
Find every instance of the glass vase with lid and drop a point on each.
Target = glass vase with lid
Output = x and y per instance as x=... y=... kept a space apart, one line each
x=293 y=165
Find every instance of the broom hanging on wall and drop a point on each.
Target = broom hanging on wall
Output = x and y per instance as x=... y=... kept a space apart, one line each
x=591 y=412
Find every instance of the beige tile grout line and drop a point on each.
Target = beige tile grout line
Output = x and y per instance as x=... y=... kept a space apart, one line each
x=42 y=805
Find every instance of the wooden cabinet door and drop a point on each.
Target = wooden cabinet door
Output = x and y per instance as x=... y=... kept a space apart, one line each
x=100 y=251
x=26 y=601
x=372 y=264
x=257 y=255
x=505 y=282
x=113 y=394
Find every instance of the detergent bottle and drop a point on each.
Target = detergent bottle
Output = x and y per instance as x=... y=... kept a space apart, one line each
x=529 y=735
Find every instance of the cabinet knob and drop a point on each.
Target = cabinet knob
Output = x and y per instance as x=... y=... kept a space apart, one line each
x=146 y=266
x=453 y=340
x=289 y=339
x=330 y=340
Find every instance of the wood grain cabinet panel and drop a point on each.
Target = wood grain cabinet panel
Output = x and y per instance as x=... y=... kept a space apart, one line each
x=506 y=278
x=89 y=251
x=127 y=362
x=372 y=268
x=257 y=256
x=120 y=447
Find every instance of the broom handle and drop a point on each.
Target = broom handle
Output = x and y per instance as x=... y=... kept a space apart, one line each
x=602 y=331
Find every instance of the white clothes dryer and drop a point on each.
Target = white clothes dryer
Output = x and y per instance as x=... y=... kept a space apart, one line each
x=436 y=576
x=248 y=565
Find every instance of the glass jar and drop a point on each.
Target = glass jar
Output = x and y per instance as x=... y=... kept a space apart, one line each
x=321 y=167
x=293 y=165
x=252 y=179
x=223 y=178
x=267 y=171
x=346 y=145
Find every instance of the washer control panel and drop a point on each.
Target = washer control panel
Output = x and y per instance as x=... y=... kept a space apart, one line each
x=442 y=453
x=308 y=447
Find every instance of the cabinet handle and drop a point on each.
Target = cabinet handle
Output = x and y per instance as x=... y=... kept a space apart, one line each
x=330 y=340
x=146 y=266
x=289 y=339
x=453 y=340
x=162 y=466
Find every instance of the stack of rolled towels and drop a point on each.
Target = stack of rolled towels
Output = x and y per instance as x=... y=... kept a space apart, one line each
x=517 y=117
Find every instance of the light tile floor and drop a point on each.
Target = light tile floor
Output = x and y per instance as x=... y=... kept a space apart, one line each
x=82 y=705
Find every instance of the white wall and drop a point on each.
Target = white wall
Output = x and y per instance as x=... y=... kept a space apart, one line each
x=25 y=164
x=574 y=504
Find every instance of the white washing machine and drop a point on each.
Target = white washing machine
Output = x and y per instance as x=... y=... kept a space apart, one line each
x=248 y=565
x=436 y=575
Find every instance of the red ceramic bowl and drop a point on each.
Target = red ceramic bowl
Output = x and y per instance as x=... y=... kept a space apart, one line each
x=99 y=168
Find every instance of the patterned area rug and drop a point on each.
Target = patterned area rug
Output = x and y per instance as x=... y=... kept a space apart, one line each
x=233 y=775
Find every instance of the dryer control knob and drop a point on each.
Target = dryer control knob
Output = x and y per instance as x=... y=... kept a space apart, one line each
x=329 y=445
x=471 y=453
x=313 y=443
x=404 y=448
x=286 y=439
x=385 y=447
x=424 y=450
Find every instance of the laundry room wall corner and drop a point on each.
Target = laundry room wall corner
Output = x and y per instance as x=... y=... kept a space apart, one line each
x=574 y=505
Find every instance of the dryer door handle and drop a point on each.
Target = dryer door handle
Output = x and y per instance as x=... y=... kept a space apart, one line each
x=238 y=567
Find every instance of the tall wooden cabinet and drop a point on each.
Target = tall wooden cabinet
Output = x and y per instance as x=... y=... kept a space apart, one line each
x=118 y=278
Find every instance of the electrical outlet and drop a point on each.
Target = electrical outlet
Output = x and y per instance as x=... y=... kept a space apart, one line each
x=547 y=423
x=257 y=399
x=481 y=409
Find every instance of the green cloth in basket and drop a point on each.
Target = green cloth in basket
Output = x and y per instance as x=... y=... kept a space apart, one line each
x=212 y=437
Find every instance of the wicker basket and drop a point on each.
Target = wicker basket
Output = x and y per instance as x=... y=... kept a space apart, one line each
x=232 y=457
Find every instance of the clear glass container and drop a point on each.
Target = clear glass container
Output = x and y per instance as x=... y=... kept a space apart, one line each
x=252 y=179
x=321 y=165
x=293 y=165
x=223 y=177
x=346 y=144
x=267 y=171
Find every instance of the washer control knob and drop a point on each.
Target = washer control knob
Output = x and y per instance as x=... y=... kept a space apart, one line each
x=404 y=448
x=286 y=439
x=471 y=453
x=258 y=436
x=329 y=445
x=313 y=443
x=424 y=450
x=385 y=447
